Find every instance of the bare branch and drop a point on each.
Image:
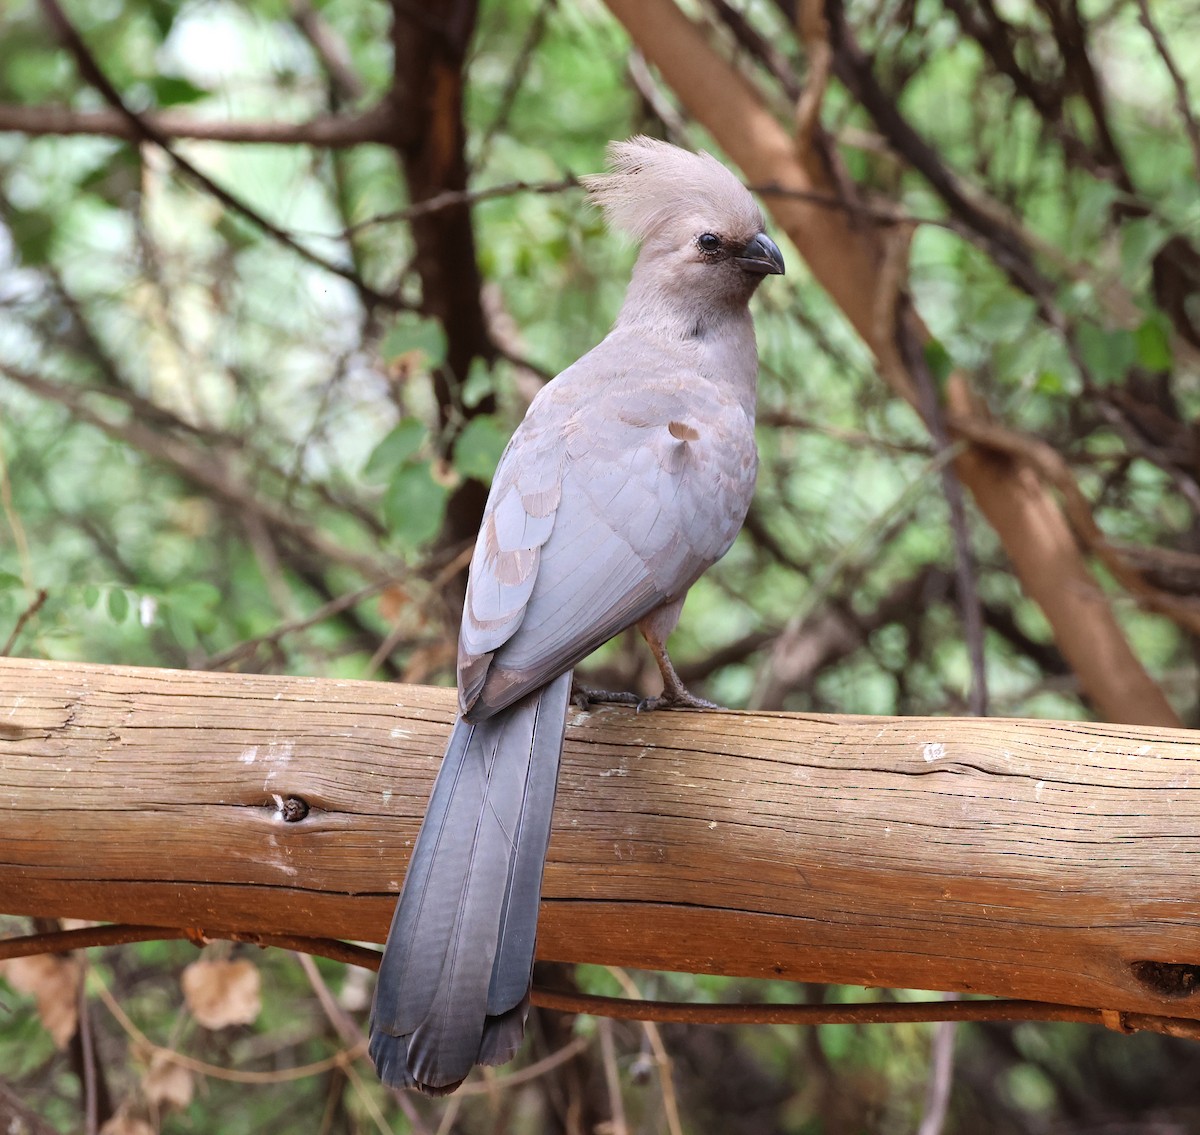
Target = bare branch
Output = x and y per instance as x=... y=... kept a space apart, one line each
x=93 y=73
x=204 y=469
x=331 y=49
x=1182 y=99
x=334 y=131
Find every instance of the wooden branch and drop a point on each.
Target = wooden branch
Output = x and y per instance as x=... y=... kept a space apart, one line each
x=1035 y=859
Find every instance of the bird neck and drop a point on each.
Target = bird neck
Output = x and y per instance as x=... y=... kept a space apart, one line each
x=715 y=332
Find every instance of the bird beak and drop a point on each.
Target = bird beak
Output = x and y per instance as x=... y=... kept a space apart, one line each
x=761 y=256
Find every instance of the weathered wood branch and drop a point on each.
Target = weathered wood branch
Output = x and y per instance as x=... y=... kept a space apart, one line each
x=1040 y=859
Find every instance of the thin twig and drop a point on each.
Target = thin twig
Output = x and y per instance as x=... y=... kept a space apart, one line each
x=32 y=609
x=352 y=1036
x=662 y=1058
x=1182 y=99
x=14 y=520
x=612 y=1077
x=859 y=549
x=217 y=1072
x=969 y=604
x=941 y=1077
x=328 y=610
x=330 y=48
x=1050 y=466
x=516 y=79
x=656 y=99
x=93 y=73
x=905 y=1012
x=87 y=1057
x=453 y=198
x=202 y=467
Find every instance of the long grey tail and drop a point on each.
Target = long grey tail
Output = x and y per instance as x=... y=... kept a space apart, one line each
x=453 y=988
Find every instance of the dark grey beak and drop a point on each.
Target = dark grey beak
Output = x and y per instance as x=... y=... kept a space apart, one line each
x=761 y=256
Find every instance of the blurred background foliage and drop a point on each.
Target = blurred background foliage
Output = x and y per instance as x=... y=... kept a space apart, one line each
x=263 y=446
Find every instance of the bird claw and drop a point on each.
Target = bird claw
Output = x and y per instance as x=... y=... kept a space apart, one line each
x=676 y=699
x=584 y=697
x=681 y=698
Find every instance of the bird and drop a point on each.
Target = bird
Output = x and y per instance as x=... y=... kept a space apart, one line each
x=629 y=476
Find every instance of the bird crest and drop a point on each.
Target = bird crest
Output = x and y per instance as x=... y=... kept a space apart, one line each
x=652 y=184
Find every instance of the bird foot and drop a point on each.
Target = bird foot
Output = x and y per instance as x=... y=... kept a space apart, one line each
x=585 y=696
x=680 y=698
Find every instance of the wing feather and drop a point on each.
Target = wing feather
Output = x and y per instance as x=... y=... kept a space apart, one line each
x=600 y=512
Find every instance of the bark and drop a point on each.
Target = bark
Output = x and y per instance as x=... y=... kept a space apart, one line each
x=430 y=45
x=1036 y=859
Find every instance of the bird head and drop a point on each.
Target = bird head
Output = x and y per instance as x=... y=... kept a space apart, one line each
x=701 y=231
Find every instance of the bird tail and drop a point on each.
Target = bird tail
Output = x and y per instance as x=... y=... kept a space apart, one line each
x=453 y=988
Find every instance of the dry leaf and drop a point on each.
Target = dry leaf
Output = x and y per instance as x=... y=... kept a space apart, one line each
x=54 y=982
x=394 y=602
x=167 y=1084
x=125 y=1124
x=221 y=994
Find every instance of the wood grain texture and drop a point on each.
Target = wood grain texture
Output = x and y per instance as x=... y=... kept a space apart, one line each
x=1035 y=859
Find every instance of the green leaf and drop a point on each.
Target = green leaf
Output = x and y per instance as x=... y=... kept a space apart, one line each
x=1154 y=344
x=194 y=603
x=181 y=627
x=195 y=595
x=7 y=580
x=414 y=504
x=395 y=449
x=1140 y=241
x=1106 y=354
x=1049 y=382
x=163 y=14
x=33 y=232
x=1004 y=317
x=478 y=448
x=117 y=179
x=937 y=358
x=91 y=595
x=170 y=90
x=412 y=332
x=479 y=384
x=118 y=605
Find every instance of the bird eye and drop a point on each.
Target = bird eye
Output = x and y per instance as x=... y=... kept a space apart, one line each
x=709 y=242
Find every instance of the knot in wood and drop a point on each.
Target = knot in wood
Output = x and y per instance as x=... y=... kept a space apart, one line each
x=1167 y=979
x=293 y=809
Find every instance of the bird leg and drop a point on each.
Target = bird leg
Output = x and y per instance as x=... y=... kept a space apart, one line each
x=655 y=628
x=675 y=694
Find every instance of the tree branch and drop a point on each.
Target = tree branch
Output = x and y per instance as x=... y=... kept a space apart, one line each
x=909 y=852
x=333 y=131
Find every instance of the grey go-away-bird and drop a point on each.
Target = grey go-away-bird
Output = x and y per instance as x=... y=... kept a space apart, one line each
x=630 y=475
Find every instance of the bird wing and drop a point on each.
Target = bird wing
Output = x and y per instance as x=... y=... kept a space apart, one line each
x=623 y=484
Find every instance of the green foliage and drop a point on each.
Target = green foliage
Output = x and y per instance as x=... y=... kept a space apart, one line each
x=414 y=504
x=395 y=450
x=232 y=438
x=477 y=449
x=412 y=334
